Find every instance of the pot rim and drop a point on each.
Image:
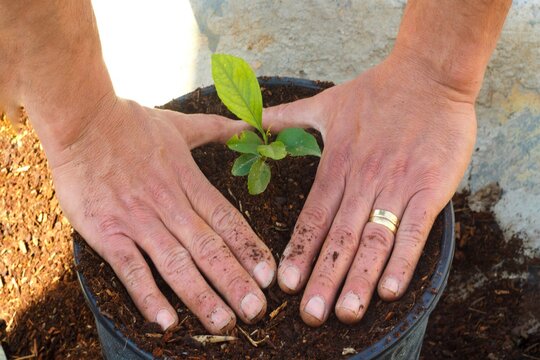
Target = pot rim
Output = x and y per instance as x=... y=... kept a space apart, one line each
x=419 y=312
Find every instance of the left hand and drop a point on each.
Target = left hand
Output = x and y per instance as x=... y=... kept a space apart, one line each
x=396 y=140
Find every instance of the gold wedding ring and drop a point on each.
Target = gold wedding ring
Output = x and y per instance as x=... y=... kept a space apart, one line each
x=385 y=218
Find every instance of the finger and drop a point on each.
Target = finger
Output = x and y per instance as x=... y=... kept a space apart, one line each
x=231 y=226
x=314 y=220
x=375 y=247
x=213 y=258
x=411 y=237
x=200 y=129
x=133 y=271
x=306 y=113
x=336 y=256
x=177 y=268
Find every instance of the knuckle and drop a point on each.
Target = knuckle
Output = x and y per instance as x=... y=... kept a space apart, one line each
x=222 y=216
x=428 y=179
x=325 y=280
x=109 y=225
x=314 y=218
x=159 y=238
x=202 y=297
x=336 y=168
x=252 y=252
x=412 y=234
x=133 y=272
x=137 y=209
x=371 y=168
x=184 y=176
x=181 y=217
x=359 y=281
x=405 y=263
x=206 y=246
x=344 y=239
x=149 y=300
x=177 y=260
x=227 y=222
x=341 y=160
x=352 y=203
x=160 y=194
x=378 y=239
x=236 y=280
x=400 y=167
x=398 y=171
x=297 y=250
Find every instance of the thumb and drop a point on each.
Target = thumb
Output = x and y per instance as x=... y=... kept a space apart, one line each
x=200 y=129
x=304 y=113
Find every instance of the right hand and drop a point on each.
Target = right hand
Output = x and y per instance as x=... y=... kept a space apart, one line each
x=394 y=139
x=128 y=184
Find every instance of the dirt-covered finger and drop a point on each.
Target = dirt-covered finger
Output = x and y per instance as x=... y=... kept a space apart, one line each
x=133 y=271
x=231 y=226
x=314 y=222
x=335 y=258
x=216 y=261
x=375 y=247
x=411 y=237
x=177 y=268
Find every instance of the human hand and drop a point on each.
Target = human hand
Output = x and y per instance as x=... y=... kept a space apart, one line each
x=128 y=183
x=394 y=140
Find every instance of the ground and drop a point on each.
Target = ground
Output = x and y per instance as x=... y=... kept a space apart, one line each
x=487 y=312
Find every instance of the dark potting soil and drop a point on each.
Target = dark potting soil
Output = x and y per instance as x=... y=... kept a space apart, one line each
x=272 y=215
x=43 y=316
x=490 y=307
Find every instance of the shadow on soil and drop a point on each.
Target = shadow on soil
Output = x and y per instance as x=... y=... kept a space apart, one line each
x=59 y=325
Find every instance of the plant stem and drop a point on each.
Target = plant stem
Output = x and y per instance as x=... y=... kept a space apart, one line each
x=265 y=137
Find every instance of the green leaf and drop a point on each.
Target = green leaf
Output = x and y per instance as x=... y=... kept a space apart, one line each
x=275 y=150
x=259 y=177
x=247 y=142
x=238 y=88
x=243 y=164
x=299 y=142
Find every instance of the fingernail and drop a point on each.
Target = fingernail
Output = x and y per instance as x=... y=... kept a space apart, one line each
x=165 y=319
x=351 y=302
x=315 y=307
x=264 y=274
x=251 y=305
x=391 y=285
x=290 y=277
x=220 y=318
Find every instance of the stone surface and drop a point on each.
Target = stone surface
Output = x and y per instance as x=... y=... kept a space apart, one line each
x=336 y=40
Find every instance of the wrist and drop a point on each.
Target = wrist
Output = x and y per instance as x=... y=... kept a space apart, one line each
x=418 y=75
x=61 y=109
x=57 y=75
x=451 y=42
x=461 y=78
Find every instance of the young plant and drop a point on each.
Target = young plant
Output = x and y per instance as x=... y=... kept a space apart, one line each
x=239 y=90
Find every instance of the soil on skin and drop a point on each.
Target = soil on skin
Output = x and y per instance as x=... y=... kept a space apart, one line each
x=272 y=215
x=42 y=311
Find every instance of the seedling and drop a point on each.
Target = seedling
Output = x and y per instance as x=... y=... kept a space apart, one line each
x=239 y=90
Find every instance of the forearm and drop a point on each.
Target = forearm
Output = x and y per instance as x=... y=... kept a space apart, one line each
x=452 y=39
x=52 y=65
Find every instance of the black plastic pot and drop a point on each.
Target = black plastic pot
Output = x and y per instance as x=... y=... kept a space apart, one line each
x=403 y=342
